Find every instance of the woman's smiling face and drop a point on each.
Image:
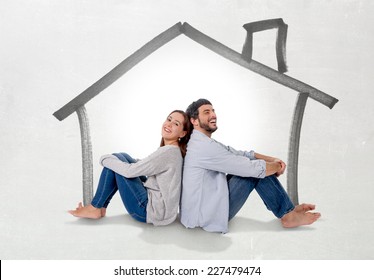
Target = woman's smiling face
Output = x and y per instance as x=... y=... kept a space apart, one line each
x=172 y=128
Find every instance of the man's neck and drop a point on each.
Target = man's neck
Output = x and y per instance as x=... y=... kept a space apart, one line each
x=203 y=131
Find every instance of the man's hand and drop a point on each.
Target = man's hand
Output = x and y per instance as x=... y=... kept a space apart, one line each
x=283 y=167
x=273 y=165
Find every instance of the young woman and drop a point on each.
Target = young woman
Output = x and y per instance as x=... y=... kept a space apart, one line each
x=149 y=188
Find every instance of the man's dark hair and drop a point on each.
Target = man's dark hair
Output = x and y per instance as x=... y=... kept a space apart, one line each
x=193 y=110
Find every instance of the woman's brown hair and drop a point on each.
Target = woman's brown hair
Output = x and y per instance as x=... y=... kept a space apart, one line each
x=187 y=126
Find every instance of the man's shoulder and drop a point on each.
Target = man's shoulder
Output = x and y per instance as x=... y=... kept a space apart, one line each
x=199 y=141
x=199 y=136
x=203 y=146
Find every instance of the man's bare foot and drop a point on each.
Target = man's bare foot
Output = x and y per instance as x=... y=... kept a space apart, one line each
x=89 y=212
x=300 y=216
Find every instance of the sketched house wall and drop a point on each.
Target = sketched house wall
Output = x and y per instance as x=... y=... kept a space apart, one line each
x=244 y=59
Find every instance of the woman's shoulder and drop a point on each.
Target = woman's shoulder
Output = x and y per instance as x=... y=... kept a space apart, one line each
x=168 y=147
x=170 y=150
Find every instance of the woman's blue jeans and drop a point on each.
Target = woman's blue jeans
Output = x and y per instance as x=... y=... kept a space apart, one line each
x=132 y=191
x=269 y=189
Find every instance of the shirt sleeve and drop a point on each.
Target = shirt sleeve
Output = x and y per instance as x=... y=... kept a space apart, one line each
x=248 y=154
x=215 y=156
x=151 y=165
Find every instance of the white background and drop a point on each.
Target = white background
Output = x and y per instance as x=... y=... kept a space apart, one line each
x=51 y=51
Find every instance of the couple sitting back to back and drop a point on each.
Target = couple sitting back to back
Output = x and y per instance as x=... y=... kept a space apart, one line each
x=217 y=179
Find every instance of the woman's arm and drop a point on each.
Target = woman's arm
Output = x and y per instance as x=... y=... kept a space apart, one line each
x=151 y=165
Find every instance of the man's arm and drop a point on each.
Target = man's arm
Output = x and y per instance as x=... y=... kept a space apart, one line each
x=273 y=165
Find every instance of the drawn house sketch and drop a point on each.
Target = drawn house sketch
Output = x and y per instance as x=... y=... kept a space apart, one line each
x=244 y=59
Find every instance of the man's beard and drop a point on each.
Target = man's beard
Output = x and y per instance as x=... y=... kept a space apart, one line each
x=207 y=127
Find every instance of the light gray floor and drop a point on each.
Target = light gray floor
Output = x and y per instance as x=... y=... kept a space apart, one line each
x=51 y=51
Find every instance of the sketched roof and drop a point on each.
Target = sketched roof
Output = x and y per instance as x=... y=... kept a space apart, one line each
x=244 y=59
x=207 y=42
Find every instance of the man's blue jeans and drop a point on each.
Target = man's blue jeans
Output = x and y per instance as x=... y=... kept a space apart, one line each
x=132 y=191
x=269 y=188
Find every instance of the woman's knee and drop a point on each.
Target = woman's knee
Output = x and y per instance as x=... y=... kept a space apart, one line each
x=124 y=157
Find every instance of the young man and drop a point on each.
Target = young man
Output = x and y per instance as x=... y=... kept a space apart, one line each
x=218 y=179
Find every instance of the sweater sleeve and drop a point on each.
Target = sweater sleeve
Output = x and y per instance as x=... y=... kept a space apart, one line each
x=151 y=165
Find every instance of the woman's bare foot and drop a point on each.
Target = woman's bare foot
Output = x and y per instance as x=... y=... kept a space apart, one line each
x=103 y=212
x=88 y=211
x=300 y=216
x=304 y=207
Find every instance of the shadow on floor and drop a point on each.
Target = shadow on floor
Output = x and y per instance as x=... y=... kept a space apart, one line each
x=195 y=240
